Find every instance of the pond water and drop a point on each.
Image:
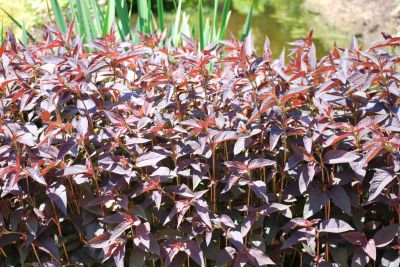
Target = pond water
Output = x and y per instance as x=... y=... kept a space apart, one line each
x=281 y=21
x=284 y=21
x=333 y=21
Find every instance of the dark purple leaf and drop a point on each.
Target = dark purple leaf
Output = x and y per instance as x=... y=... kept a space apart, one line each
x=194 y=251
x=340 y=198
x=370 y=249
x=360 y=258
x=151 y=158
x=306 y=175
x=386 y=235
x=259 y=163
x=225 y=256
x=236 y=239
x=334 y=226
x=258 y=257
x=35 y=174
x=355 y=238
x=58 y=193
x=202 y=209
x=339 y=156
x=75 y=169
x=380 y=180
x=260 y=189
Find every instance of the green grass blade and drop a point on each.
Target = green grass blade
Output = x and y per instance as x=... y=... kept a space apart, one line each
x=207 y=32
x=24 y=35
x=99 y=11
x=110 y=16
x=143 y=15
x=48 y=10
x=2 y=32
x=247 y=25
x=84 y=14
x=96 y=18
x=59 y=16
x=201 y=23
x=215 y=20
x=154 y=22
x=185 y=27
x=149 y=14
x=224 y=19
x=78 y=21
x=175 y=27
x=131 y=9
x=17 y=23
x=160 y=12
x=123 y=17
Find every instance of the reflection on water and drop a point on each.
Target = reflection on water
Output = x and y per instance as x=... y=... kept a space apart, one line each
x=284 y=21
x=281 y=23
x=332 y=21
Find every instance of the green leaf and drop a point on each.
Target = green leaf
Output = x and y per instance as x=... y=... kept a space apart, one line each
x=160 y=12
x=124 y=18
x=149 y=14
x=224 y=19
x=207 y=32
x=78 y=23
x=201 y=24
x=143 y=16
x=215 y=21
x=84 y=14
x=59 y=16
x=110 y=16
x=247 y=25
x=17 y=23
x=2 y=32
x=97 y=18
x=175 y=27
x=24 y=35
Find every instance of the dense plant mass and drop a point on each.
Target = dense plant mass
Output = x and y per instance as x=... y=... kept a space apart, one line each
x=160 y=156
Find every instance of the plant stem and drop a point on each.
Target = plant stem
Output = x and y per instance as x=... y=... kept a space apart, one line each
x=213 y=183
x=36 y=255
x=57 y=221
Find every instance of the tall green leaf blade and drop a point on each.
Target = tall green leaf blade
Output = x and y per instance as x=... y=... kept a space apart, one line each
x=224 y=19
x=215 y=20
x=123 y=17
x=175 y=27
x=247 y=25
x=149 y=14
x=96 y=18
x=78 y=21
x=84 y=12
x=59 y=16
x=143 y=15
x=160 y=12
x=201 y=24
x=17 y=23
x=207 y=32
x=24 y=35
x=110 y=16
x=2 y=32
